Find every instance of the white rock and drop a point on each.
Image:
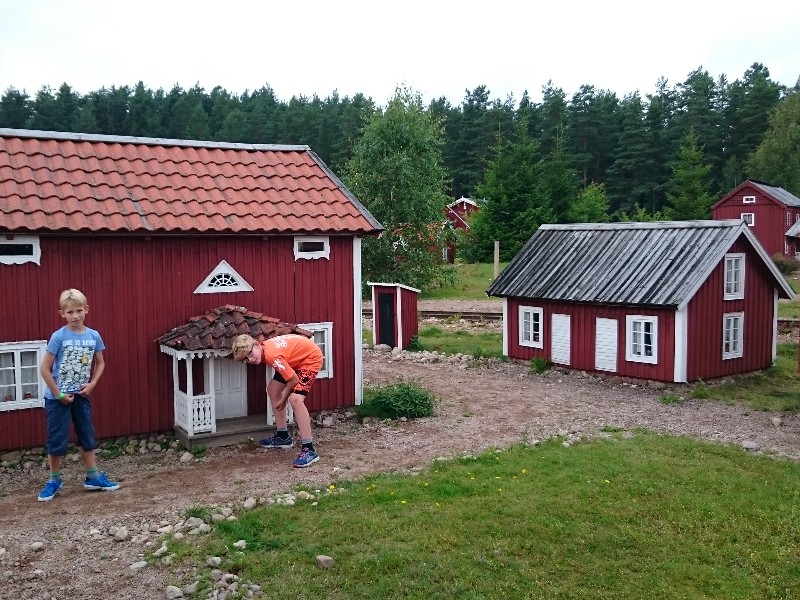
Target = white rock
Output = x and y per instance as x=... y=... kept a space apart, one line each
x=37 y=546
x=121 y=535
x=240 y=545
x=213 y=561
x=250 y=503
x=138 y=566
x=186 y=457
x=325 y=562
x=174 y=592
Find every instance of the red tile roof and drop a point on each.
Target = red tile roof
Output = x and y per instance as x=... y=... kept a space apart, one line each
x=51 y=181
x=219 y=327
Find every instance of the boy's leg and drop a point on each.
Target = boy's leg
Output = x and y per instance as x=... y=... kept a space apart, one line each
x=58 y=419
x=84 y=431
x=281 y=439
x=308 y=455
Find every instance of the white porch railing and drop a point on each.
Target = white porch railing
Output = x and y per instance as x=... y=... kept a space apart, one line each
x=195 y=414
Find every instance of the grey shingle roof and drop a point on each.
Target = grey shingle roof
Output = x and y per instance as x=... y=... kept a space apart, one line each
x=656 y=264
x=777 y=192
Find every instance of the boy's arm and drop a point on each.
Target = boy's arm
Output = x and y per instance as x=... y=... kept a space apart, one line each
x=97 y=371
x=46 y=371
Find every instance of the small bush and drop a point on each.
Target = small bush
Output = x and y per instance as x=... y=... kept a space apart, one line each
x=539 y=365
x=785 y=265
x=414 y=344
x=395 y=401
x=672 y=399
x=700 y=390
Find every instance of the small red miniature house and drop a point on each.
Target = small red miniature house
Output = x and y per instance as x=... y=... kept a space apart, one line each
x=394 y=313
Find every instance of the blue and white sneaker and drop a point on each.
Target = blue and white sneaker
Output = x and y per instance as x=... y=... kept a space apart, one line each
x=277 y=442
x=100 y=483
x=305 y=459
x=51 y=488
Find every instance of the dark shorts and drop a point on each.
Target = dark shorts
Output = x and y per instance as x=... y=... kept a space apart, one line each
x=304 y=385
x=59 y=416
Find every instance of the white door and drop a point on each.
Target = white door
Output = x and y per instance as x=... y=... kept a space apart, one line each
x=559 y=344
x=605 y=345
x=230 y=388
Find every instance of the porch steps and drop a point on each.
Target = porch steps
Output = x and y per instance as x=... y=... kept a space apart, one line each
x=229 y=432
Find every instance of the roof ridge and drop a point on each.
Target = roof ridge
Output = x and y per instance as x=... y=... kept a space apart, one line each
x=146 y=141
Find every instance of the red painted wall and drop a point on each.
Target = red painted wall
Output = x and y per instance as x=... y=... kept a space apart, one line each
x=770 y=218
x=583 y=332
x=139 y=289
x=705 y=314
x=408 y=312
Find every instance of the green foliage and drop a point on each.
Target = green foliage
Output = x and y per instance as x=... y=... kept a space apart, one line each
x=198 y=511
x=471 y=282
x=700 y=390
x=630 y=516
x=777 y=158
x=591 y=206
x=199 y=451
x=395 y=401
x=396 y=171
x=640 y=214
x=672 y=399
x=691 y=199
x=539 y=364
x=785 y=265
x=480 y=345
x=414 y=344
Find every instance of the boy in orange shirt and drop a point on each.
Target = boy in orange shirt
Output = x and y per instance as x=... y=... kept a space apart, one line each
x=296 y=360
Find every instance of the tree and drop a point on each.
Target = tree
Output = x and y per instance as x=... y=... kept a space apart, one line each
x=777 y=159
x=628 y=178
x=16 y=109
x=691 y=199
x=512 y=208
x=591 y=205
x=397 y=172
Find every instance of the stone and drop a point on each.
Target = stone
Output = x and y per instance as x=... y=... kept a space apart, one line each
x=325 y=562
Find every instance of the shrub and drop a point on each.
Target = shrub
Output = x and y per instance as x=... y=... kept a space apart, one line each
x=414 y=344
x=539 y=365
x=397 y=400
x=672 y=399
x=785 y=265
x=700 y=390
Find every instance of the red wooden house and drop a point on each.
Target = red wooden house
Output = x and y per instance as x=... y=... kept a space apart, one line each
x=394 y=313
x=157 y=232
x=772 y=213
x=458 y=214
x=670 y=301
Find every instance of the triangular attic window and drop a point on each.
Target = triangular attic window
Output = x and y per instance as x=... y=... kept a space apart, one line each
x=223 y=278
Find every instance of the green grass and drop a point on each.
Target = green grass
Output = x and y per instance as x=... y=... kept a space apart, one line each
x=633 y=516
x=488 y=343
x=472 y=281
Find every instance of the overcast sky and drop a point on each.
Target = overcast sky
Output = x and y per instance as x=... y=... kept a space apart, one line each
x=435 y=47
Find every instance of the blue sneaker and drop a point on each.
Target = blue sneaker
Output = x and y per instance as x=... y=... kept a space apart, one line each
x=51 y=488
x=277 y=442
x=100 y=483
x=306 y=459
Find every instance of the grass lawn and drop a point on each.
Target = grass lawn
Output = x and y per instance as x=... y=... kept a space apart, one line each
x=631 y=516
x=472 y=281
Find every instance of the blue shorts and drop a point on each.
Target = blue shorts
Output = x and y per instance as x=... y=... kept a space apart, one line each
x=59 y=416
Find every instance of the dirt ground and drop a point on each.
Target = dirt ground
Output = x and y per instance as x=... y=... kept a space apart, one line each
x=490 y=405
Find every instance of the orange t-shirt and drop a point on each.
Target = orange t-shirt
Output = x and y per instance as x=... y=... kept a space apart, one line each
x=289 y=353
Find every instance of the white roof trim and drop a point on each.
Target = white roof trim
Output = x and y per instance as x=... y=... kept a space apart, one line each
x=186 y=354
x=400 y=285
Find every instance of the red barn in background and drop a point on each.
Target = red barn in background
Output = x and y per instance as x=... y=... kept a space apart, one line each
x=458 y=214
x=156 y=232
x=771 y=213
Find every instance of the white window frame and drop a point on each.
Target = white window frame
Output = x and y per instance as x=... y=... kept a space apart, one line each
x=734 y=276
x=748 y=199
x=635 y=350
x=20 y=402
x=732 y=335
x=323 y=338
x=222 y=279
x=19 y=240
x=300 y=240
x=531 y=315
x=788 y=218
x=749 y=218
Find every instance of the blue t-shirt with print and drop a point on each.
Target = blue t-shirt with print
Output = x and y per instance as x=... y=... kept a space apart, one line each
x=74 y=353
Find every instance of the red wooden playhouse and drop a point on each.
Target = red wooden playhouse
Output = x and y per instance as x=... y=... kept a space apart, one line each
x=772 y=213
x=670 y=301
x=394 y=313
x=209 y=239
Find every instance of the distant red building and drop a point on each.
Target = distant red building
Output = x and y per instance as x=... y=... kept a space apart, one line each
x=458 y=213
x=771 y=213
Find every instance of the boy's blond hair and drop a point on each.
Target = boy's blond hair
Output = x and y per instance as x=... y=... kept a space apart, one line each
x=242 y=346
x=71 y=297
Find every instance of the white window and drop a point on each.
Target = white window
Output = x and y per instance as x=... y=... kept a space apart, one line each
x=20 y=384
x=732 y=335
x=749 y=199
x=734 y=276
x=749 y=218
x=323 y=338
x=788 y=218
x=641 y=339
x=530 y=327
x=311 y=247
x=223 y=278
x=19 y=249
